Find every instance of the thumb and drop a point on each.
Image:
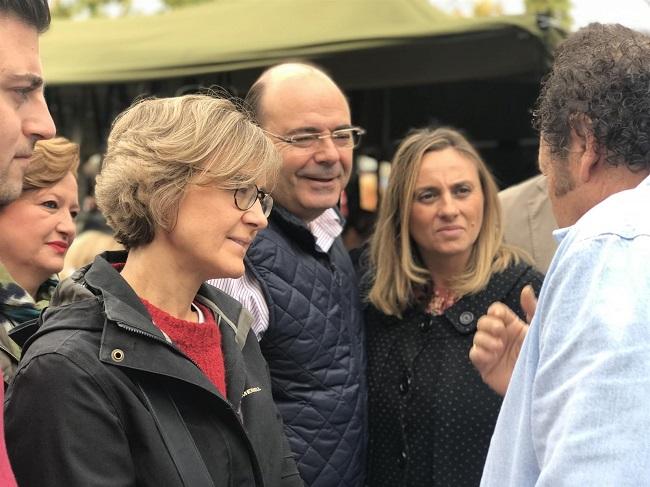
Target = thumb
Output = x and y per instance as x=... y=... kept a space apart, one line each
x=503 y=313
x=528 y=302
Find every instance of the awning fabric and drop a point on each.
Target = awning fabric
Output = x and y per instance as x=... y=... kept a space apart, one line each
x=397 y=41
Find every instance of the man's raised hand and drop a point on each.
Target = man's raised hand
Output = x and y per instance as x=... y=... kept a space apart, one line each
x=498 y=339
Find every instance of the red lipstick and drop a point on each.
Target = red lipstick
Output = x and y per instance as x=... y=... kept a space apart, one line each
x=59 y=246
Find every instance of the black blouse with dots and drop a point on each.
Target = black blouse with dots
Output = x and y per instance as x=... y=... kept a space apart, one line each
x=431 y=416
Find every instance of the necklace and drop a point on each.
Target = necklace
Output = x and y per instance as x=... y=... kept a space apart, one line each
x=441 y=300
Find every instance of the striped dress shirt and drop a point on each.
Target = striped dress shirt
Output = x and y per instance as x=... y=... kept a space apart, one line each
x=326 y=228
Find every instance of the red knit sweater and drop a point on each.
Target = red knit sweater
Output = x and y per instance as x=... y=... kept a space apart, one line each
x=199 y=341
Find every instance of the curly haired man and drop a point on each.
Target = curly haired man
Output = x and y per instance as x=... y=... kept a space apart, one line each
x=575 y=412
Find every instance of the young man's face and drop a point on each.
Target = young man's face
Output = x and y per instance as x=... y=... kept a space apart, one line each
x=24 y=117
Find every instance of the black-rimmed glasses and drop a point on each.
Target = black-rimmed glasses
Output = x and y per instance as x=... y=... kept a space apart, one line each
x=245 y=199
x=346 y=138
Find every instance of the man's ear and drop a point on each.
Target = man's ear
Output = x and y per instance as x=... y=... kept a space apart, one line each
x=585 y=147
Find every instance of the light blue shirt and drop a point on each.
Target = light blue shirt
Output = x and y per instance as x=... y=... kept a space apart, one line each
x=577 y=411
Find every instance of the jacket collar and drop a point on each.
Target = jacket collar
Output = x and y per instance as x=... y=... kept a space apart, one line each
x=16 y=305
x=121 y=304
x=130 y=339
x=292 y=225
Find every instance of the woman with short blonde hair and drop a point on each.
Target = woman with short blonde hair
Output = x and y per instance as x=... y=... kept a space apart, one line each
x=156 y=149
x=436 y=262
x=154 y=377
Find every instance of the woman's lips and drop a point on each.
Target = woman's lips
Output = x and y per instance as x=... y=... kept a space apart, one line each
x=450 y=231
x=245 y=243
x=59 y=247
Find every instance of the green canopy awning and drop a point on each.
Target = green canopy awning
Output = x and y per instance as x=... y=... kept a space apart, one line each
x=376 y=42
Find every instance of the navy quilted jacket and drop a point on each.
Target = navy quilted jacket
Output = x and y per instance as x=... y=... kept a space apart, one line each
x=314 y=346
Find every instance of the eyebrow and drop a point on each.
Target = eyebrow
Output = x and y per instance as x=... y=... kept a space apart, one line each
x=464 y=182
x=427 y=187
x=33 y=80
x=315 y=130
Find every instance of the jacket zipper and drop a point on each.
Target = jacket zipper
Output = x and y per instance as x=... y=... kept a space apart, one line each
x=138 y=331
x=124 y=326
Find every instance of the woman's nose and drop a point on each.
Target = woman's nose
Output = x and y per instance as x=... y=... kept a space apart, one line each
x=67 y=226
x=448 y=206
x=255 y=216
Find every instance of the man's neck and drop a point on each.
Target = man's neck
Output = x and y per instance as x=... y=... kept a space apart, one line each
x=304 y=216
x=614 y=179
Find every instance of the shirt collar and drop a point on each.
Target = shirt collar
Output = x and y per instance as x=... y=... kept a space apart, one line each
x=326 y=228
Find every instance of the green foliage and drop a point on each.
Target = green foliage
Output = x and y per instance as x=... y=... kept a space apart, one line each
x=487 y=8
x=182 y=3
x=557 y=9
x=91 y=8
x=97 y=8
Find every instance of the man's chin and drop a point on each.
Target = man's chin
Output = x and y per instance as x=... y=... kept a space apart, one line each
x=10 y=191
x=308 y=210
x=323 y=200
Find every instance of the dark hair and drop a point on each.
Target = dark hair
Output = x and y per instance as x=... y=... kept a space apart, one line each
x=600 y=81
x=35 y=13
x=253 y=98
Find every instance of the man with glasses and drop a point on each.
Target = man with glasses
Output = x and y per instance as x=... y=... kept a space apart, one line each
x=300 y=284
x=24 y=119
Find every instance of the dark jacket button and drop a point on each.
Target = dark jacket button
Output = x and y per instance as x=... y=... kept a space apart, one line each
x=405 y=385
x=424 y=326
x=401 y=460
x=466 y=317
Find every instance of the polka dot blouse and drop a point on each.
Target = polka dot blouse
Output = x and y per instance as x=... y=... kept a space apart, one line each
x=430 y=415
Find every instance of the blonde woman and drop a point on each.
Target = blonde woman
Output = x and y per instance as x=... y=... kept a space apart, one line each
x=36 y=231
x=436 y=262
x=143 y=374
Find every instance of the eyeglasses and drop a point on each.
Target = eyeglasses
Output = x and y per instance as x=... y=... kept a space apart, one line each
x=245 y=199
x=343 y=138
